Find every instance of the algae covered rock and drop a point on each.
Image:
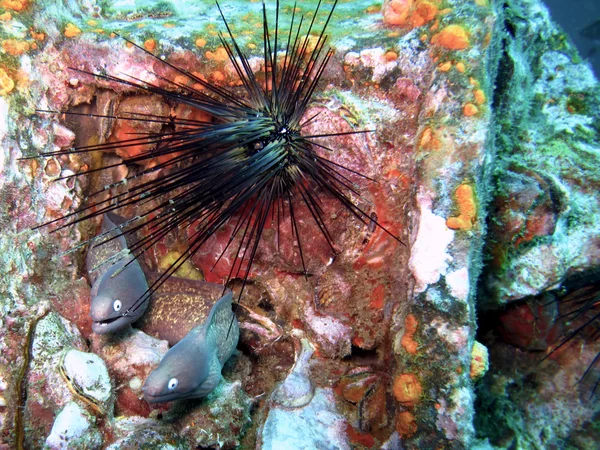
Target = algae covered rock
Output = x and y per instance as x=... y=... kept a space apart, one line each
x=543 y=243
x=73 y=429
x=220 y=420
x=59 y=390
x=137 y=432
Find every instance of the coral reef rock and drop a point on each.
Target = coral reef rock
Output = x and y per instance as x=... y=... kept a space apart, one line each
x=484 y=147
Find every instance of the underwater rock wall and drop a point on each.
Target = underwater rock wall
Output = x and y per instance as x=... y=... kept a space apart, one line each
x=542 y=248
x=473 y=103
x=544 y=225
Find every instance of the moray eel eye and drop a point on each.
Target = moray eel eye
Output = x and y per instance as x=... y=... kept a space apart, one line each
x=117 y=305
x=173 y=382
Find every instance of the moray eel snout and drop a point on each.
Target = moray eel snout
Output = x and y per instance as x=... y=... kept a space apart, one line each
x=192 y=367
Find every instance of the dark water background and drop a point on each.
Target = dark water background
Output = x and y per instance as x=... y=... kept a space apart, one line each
x=573 y=16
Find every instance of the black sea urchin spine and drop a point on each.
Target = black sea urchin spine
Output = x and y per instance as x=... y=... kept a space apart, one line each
x=580 y=306
x=250 y=165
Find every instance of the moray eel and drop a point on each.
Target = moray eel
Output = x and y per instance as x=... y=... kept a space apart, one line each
x=194 y=300
x=115 y=288
x=192 y=367
x=193 y=316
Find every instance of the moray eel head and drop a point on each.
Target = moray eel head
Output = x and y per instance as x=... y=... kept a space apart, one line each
x=180 y=377
x=114 y=293
x=192 y=367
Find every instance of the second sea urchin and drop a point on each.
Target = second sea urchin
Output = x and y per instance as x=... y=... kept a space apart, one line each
x=250 y=165
x=579 y=301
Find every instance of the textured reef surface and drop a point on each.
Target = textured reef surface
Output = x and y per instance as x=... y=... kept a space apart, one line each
x=485 y=153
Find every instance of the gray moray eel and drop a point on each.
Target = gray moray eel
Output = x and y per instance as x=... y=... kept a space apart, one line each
x=193 y=316
x=192 y=367
x=115 y=286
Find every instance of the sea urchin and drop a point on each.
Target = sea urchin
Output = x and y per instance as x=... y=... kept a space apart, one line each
x=250 y=165
x=579 y=302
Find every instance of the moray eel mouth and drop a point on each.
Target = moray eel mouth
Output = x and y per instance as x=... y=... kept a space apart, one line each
x=110 y=325
x=154 y=397
x=160 y=398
